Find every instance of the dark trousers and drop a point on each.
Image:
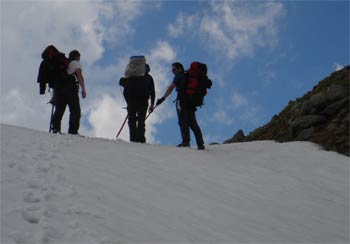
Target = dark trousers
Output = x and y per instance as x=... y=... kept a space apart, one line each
x=187 y=119
x=63 y=98
x=137 y=110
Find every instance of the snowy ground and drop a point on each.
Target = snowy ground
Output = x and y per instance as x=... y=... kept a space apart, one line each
x=68 y=189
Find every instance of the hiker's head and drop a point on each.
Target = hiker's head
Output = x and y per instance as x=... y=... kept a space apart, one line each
x=177 y=68
x=74 y=55
x=148 y=69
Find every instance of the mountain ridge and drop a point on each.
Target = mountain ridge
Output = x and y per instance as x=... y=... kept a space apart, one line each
x=320 y=116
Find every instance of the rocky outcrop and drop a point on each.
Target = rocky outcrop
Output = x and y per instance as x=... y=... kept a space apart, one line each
x=320 y=116
x=238 y=137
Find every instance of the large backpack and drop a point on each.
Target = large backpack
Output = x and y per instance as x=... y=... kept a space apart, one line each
x=136 y=66
x=53 y=70
x=136 y=88
x=197 y=83
x=136 y=84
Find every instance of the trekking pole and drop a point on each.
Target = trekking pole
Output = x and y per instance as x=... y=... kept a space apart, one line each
x=52 y=102
x=51 y=118
x=121 y=128
x=150 y=112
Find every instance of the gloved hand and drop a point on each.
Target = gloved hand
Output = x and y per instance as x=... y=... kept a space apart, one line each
x=83 y=94
x=160 y=100
x=151 y=108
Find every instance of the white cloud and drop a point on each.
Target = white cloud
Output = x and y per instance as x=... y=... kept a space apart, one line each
x=28 y=27
x=237 y=109
x=106 y=116
x=183 y=23
x=245 y=107
x=242 y=27
x=12 y=102
x=337 y=66
x=117 y=16
x=238 y=100
x=96 y=26
x=163 y=52
x=233 y=28
x=222 y=117
x=160 y=59
x=177 y=29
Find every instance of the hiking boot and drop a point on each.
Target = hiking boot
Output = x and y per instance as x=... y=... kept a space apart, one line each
x=201 y=147
x=183 y=144
x=56 y=132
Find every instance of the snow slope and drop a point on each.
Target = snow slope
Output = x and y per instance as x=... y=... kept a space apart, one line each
x=68 y=189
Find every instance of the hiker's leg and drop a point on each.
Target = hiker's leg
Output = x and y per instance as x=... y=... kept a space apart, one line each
x=195 y=127
x=60 y=107
x=75 y=112
x=141 y=117
x=183 y=123
x=132 y=120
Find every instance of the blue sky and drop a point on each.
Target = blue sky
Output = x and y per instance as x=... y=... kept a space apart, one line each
x=260 y=55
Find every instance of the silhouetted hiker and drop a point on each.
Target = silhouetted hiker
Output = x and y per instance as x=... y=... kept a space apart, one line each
x=152 y=92
x=184 y=107
x=68 y=94
x=138 y=88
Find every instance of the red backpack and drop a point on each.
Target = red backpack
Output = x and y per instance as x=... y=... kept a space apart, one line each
x=197 y=83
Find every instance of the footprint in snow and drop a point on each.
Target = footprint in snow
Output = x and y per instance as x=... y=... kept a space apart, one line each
x=42 y=167
x=50 y=234
x=21 y=237
x=31 y=197
x=35 y=183
x=32 y=214
x=11 y=164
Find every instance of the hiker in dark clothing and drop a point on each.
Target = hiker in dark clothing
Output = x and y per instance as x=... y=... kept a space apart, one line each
x=151 y=90
x=137 y=91
x=68 y=94
x=185 y=109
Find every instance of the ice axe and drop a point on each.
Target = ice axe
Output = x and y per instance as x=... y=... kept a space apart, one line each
x=121 y=128
x=51 y=118
x=52 y=102
x=151 y=112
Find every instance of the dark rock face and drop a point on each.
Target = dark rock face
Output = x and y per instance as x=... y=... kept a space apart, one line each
x=238 y=137
x=320 y=116
x=214 y=143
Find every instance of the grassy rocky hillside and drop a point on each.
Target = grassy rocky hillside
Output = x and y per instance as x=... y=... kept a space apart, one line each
x=320 y=116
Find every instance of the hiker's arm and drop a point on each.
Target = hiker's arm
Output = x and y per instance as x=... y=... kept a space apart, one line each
x=166 y=94
x=122 y=82
x=152 y=93
x=81 y=82
x=169 y=90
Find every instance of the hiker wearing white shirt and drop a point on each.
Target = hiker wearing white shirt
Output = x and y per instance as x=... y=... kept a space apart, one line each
x=69 y=95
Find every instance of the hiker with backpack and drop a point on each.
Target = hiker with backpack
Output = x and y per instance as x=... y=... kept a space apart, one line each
x=151 y=89
x=138 y=87
x=191 y=88
x=66 y=92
